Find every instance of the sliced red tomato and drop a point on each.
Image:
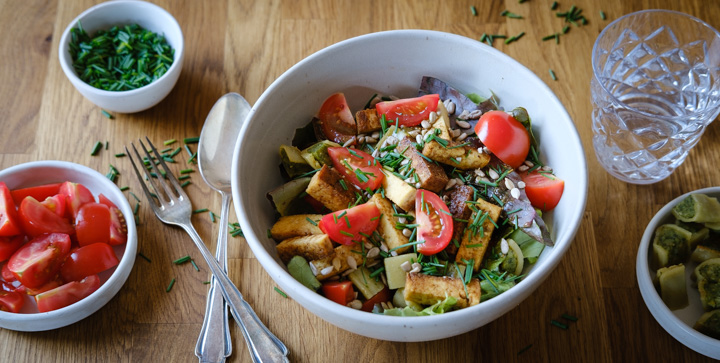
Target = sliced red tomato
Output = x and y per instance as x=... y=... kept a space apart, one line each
x=39 y=260
x=9 y=225
x=40 y=192
x=56 y=282
x=67 y=294
x=339 y=292
x=36 y=219
x=543 y=189
x=335 y=119
x=408 y=111
x=383 y=296
x=56 y=204
x=77 y=195
x=118 y=228
x=8 y=246
x=11 y=301
x=93 y=223
x=349 y=225
x=357 y=167
x=6 y=274
x=435 y=222
x=505 y=136
x=104 y=200
x=89 y=260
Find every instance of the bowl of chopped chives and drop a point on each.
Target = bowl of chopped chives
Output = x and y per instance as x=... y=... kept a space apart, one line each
x=124 y=56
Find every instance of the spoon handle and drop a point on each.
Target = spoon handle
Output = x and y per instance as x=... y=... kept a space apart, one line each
x=214 y=343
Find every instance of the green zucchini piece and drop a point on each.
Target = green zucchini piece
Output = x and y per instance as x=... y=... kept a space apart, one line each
x=285 y=197
x=670 y=246
x=301 y=271
x=367 y=285
x=673 y=288
x=698 y=208
x=395 y=274
x=293 y=162
x=316 y=155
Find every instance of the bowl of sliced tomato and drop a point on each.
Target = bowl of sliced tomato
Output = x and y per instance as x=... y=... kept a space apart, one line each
x=67 y=244
x=409 y=185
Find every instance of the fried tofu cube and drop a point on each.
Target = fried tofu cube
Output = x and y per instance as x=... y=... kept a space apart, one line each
x=393 y=237
x=295 y=226
x=312 y=247
x=398 y=191
x=430 y=175
x=463 y=157
x=475 y=242
x=428 y=290
x=337 y=263
x=367 y=121
x=325 y=186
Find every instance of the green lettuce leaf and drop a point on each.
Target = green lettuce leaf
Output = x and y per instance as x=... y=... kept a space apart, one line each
x=438 y=308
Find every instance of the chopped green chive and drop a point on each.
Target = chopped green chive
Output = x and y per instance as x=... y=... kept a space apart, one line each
x=169 y=142
x=558 y=324
x=514 y=38
x=191 y=140
x=268 y=233
x=569 y=317
x=521 y=351
x=311 y=221
x=347 y=233
x=96 y=148
x=183 y=177
x=108 y=115
x=122 y=189
x=182 y=260
x=554 y=5
x=602 y=15
x=343 y=185
x=187 y=171
x=212 y=217
x=473 y=10
x=120 y=155
x=200 y=210
x=172 y=282
x=566 y=29
x=194 y=265
x=508 y=14
x=144 y=257
x=135 y=210
x=552 y=75
x=184 y=184
x=280 y=292
x=377 y=272
x=548 y=37
x=107 y=144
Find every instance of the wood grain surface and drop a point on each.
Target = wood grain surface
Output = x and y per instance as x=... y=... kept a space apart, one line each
x=242 y=46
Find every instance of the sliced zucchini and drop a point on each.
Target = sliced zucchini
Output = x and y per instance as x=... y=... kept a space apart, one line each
x=293 y=162
x=367 y=285
x=316 y=155
x=284 y=198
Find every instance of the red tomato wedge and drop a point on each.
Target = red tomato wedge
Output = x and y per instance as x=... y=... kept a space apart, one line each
x=435 y=222
x=67 y=294
x=11 y=301
x=45 y=287
x=118 y=228
x=505 y=136
x=56 y=204
x=40 y=192
x=37 y=220
x=104 y=200
x=77 y=195
x=39 y=260
x=383 y=296
x=357 y=167
x=335 y=119
x=408 y=111
x=9 y=225
x=93 y=223
x=8 y=246
x=339 y=292
x=348 y=226
x=543 y=189
x=6 y=274
x=89 y=260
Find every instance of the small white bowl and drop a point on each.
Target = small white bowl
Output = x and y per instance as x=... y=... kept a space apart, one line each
x=678 y=323
x=123 y=12
x=394 y=62
x=47 y=172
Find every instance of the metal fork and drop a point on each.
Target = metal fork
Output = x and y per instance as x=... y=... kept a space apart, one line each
x=172 y=206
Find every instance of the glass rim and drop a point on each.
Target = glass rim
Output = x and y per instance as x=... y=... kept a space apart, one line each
x=614 y=22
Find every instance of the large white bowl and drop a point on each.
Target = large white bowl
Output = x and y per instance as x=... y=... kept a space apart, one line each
x=678 y=323
x=47 y=172
x=124 y=12
x=393 y=63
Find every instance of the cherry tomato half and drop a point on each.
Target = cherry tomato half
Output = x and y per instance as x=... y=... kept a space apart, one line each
x=39 y=260
x=336 y=120
x=348 y=226
x=77 y=195
x=118 y=228
x=8 y=246
x=36 y=219
x=435 y=222
x=56 y=204
x=88 y=260
x=505 y=136
x=67 y=294
x=357 y=167
x=9 y=225
x=40 y=192
x=408 y=111
x=383 y=296
x=11 y=301
x=92 y=224
x=543 y=189
x=339 y=292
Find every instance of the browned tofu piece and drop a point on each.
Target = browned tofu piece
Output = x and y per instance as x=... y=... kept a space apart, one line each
x=475 y=243
x=336 y=263
x=432 y=176
x=295 y=226
x=310 y=247
x=326 y=188
x=367 y=121
x=398 y=191
x=465 y=157
x=428 y=290
x=459 y=196
x=393 y=237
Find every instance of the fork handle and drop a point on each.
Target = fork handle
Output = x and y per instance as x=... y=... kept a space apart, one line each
x=262 y=344
x=214 y=343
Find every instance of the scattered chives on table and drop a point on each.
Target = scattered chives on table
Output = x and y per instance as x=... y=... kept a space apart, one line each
x=473 y=10
x=200 y=210
x=602 y=15
x=169 y=142
x=194 y=265
x=191 y=140
x=182 y=260
x=283 y=294
x=569 y=317
x=120 y=155
x=124 y=188
x=558 y=324
x=187 y=171
x=521 y=351
x=554 y=5
x=184 y=184
x=552 y=75
x=144 y=257
x=96 y=148
x=106 y=114
x=172 y=282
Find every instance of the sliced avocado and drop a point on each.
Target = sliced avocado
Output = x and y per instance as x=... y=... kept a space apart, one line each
x=394 y=272
x=293 y=161
x=316 y=155
x=367 y=285
x=301 y=271
x=284 y=197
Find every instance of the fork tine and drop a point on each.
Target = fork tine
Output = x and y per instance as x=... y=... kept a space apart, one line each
x=175 y=182
x=139 y=175
x=163 y=191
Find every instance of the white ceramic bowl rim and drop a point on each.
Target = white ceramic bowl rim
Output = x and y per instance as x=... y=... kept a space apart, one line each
x=66 y=60
x=122 y=270
x=503 y=302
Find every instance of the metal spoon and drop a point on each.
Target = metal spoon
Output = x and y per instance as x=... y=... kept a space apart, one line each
x=217 y=140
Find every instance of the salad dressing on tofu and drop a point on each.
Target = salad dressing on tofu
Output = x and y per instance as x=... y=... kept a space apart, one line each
x=404 y=208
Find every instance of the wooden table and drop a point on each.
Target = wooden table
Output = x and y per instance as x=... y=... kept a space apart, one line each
x=242 y=46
